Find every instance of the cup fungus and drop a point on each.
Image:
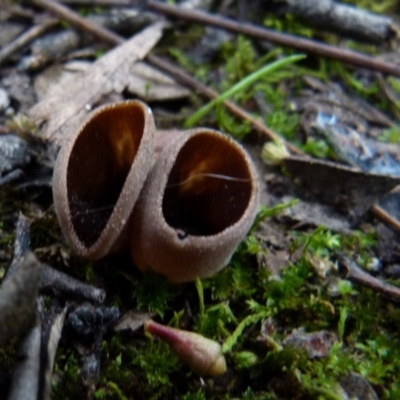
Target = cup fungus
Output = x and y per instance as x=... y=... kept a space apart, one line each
x=99 y=174
x=197 y=204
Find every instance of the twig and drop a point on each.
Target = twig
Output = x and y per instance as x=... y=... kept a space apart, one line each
x=26 y=38
x=81 y=23
x=57 y=282
x=17 y=10
x=104 y=3
x=355 y=274
x=51 y=280
x=11 y=176
x=380 y=213
x=303 y=44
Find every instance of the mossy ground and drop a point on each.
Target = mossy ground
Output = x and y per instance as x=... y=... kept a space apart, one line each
x=232 y=306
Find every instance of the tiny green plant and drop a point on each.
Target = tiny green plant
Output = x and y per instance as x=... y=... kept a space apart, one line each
x=248 y=80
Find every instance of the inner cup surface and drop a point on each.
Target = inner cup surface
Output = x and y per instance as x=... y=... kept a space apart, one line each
x=98 y=166
x=209 y=186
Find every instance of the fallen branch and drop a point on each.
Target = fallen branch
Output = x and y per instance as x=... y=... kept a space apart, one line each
x=56 y=282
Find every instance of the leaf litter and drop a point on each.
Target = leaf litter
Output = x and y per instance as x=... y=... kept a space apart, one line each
x=307 y=307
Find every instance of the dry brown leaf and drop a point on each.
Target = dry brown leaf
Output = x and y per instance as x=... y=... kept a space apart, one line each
x=61 y=113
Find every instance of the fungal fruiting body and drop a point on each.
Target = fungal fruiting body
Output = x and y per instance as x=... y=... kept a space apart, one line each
x=99 y=174
x=203 y=356
x=197 y=204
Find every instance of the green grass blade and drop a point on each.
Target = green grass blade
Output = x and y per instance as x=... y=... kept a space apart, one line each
x=248 y=80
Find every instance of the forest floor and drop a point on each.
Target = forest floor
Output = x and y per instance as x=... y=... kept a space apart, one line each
x=307 y=306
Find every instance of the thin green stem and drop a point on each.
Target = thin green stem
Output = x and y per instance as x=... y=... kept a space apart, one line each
x=248 y=80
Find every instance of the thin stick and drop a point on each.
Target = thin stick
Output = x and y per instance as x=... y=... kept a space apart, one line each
x=283 y=39
x=380 y=213
x=25 y=39
x=103 y=3
x=299 y=43
x=54 y=281
x=357 y=275
x=81 y=23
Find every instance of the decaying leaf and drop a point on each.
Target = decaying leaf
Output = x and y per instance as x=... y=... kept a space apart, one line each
x=61 y=113
x=351 y=190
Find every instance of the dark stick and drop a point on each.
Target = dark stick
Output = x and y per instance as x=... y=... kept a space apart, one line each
x=57 y=282
x=51 y=280
x=79 y=22
x=11 y=176
x=105 y=3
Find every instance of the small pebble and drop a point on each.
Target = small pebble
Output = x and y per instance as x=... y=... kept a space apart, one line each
x=373 y=265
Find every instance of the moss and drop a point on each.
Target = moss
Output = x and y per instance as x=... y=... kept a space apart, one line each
x=236 y=305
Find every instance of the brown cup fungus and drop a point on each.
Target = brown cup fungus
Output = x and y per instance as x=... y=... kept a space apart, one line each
x=197 y=204
x=99 y=174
